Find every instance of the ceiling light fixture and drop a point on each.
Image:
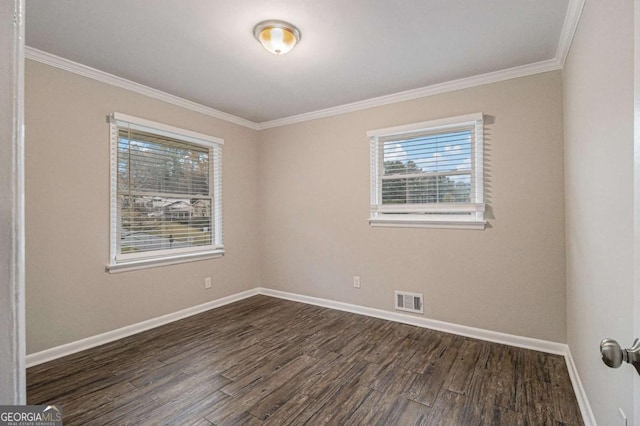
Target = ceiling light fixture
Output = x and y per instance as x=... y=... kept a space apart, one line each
x=278 y=37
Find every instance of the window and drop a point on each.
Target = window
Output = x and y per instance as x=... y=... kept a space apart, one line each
x=428 y=174
x=165 y=194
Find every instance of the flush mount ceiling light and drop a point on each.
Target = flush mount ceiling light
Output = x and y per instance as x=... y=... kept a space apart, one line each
x=278 y=37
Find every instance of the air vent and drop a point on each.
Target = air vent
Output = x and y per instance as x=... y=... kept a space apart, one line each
x=410 y=302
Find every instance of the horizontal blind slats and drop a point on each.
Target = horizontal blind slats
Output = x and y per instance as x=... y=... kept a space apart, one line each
x=155 y=163
x=427 y=168
x=164 y=194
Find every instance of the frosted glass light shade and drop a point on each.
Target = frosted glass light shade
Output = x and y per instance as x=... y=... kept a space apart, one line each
x=278 y=37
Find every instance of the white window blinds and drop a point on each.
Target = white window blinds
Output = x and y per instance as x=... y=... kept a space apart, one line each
x=428 y=173
x=427 y=168
x=166 y=191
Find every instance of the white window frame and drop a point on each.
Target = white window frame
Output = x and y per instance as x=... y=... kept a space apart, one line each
x=132 y=261
x=437 y=215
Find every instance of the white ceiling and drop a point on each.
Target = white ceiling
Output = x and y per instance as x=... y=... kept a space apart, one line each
x=351 y=50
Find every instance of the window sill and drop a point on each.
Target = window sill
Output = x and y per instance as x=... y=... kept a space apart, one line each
x=135 y=265
x=413 y=222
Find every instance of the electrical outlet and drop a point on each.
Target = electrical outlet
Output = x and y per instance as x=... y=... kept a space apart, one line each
x=207 y=283
x=356 y=282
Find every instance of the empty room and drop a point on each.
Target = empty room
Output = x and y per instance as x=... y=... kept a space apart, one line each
x=333 y=212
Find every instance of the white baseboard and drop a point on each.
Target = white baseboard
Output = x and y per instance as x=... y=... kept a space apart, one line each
x=585 y=408
x=100 y=339
x=447 y=327
x=462 y=330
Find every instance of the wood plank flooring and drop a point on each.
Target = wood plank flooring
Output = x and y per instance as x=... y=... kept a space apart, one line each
x=266 y=361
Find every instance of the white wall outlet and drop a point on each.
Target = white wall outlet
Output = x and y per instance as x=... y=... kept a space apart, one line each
x=356 y=282
x=207 y=282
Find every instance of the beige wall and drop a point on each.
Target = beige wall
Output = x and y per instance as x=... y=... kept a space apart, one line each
x=304 y=190
x=598 y=108
x=314 y=199
x=69 y=295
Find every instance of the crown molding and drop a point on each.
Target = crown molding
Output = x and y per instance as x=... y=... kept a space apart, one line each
x=569 y=27
x=572 y=16
x=104 y=77
x=436 y=89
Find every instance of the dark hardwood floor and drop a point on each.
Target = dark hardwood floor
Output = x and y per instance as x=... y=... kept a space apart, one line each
x=266 y=361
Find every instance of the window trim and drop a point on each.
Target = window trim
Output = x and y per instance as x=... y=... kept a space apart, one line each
x=438 y=214
x=134 y=265
x=162 y=257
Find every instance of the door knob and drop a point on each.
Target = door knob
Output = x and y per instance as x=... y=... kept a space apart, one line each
x=613 y=355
